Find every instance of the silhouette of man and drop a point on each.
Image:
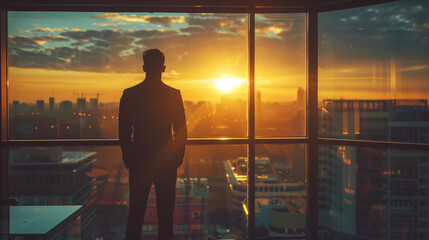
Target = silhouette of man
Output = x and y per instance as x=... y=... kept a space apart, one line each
x=152 y=133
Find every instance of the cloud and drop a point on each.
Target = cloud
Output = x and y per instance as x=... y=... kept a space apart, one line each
x=415 y=68
x=232 y=23
x=264 y=26
x=22 y=42
x=44 y=39
x=192 y=29
x=35 y=42
x=380 y=32
x=120 y=51
x=208 y=44
x=162 y=20
x=78 y=34
x=145 y=34
x=48 y=29
x=107 y=24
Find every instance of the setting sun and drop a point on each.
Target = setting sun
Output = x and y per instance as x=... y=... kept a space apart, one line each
x=228 y=84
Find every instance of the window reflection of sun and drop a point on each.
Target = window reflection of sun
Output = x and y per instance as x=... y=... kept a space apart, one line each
x=228 y=84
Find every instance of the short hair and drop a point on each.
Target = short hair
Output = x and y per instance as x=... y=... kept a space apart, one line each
x=153 y=57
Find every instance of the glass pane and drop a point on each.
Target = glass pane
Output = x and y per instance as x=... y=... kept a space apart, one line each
x=373 y=193
x=373 y=72
x=280 y=203
x=67 y=70
x=280 y=75
x=207 y=205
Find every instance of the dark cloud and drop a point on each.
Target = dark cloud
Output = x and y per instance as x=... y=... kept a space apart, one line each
x=90 y=34
x=91 y=50
x=37 y=59
x=49 y=38
x=220 y=23
x=152 y=33
x=165 y=21
x=22 y=42
x=192 y=30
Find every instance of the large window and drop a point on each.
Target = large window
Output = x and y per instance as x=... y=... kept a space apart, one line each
x=265 y=158
x=373 y=85
x=66 y=75
x=67 y=70
x=373 y=72
x=280 y=79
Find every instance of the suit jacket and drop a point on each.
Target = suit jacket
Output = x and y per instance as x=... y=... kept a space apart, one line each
x=152 y=125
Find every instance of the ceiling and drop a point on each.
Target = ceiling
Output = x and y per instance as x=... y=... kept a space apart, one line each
x=187 y=5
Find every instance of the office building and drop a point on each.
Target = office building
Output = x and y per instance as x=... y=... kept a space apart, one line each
x=386 y=187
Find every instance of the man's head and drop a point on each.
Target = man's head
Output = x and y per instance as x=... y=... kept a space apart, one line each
x=153 y=61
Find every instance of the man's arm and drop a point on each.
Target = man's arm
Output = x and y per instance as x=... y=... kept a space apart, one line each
x=125 y=128
x=180 y=130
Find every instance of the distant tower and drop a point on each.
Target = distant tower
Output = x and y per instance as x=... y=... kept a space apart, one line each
x=301 y=97
x=81 y=102
x=40 y=106
x=51 y=104
x=66 y=108
x=258 y=108
x=15 y=107
x=93 y=103
x=301 y=107
x=298 y=166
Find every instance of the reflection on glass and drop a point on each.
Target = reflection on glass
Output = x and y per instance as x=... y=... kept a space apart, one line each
x=67 y=70
x=280 y=201
x=373 y=72
x=209 y=203
x=280 y=75
x=373 y=193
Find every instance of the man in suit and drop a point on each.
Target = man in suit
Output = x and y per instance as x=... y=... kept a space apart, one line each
x=152 y=133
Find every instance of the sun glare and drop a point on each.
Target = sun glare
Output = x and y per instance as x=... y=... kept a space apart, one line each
x=227 y=84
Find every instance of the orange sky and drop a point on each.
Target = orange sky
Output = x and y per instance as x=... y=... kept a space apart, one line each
x=62 y=54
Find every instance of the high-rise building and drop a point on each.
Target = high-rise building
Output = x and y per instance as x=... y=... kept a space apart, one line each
x=298 y=166
x=50 y=176
x=258 y=108
x=51 y=104
x=15 y=107
x=386 y=189
x=93 y=103
x=300 y=98
x=81 y=104
x=40 y=106
x=279 y=197
x=66 y=108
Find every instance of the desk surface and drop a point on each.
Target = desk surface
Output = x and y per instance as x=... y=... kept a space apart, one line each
x=39 y=220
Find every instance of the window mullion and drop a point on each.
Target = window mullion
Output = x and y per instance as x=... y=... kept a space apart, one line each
x=251 y=128
x=312 y=125
x=4 y=174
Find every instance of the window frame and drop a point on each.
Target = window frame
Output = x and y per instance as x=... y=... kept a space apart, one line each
x=251 y=7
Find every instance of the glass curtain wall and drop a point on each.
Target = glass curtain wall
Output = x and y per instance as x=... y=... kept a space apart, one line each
x=373 y=85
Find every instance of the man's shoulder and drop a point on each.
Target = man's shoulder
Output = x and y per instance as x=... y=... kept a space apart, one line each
x=132 y=89
x=142 y=89
x=171 y=89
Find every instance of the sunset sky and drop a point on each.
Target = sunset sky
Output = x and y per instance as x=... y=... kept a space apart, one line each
x=374 y=52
